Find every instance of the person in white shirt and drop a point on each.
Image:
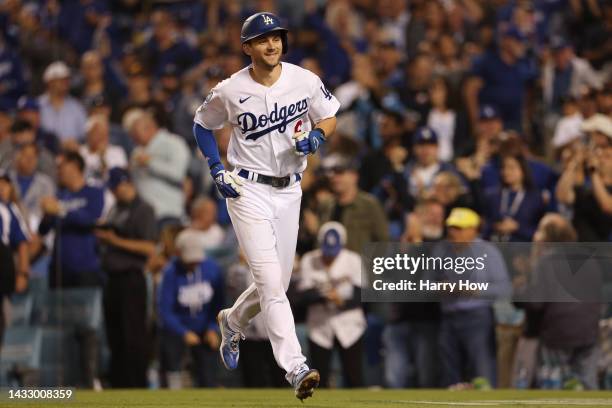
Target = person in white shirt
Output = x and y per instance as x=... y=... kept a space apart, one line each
x=159 y=165
x=330 y=285
x=204 y=223
x=99 y=155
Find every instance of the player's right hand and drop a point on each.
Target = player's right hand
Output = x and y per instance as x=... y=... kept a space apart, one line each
x=228 y=183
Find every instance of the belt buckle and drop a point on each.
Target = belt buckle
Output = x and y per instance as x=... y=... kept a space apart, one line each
x=280 y=182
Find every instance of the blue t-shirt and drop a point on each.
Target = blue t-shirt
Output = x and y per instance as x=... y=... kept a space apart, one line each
x=504 y=85
x=75 y=242
x=190 y=300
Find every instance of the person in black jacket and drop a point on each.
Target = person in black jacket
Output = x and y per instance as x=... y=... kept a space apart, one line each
x=564 y=315
x=128 y=239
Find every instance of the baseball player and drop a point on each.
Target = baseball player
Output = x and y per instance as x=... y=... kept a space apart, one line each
x=279 y=114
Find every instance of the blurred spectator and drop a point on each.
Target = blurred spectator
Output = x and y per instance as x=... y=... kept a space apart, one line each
x=31 y=184
x=100 y=156
x=128 y=239
x=485 y=142
x=448 y=190
x=100 y=105
x=425 y=223
x=410 y=337
x=165 y=250
x=566 y=75
x=421 y=170
x=597 y=40
x=591 y=202
x=12 y=81
x=6 y=119
x=394 y=17
x=359 y=212
x=190 y=297
x=159 y=165
x=140 y=95
x=60 y=113
x=513 y=212
x=92 y=83
x=331 y=287
x=257 y=364
x=204 y=223
x=14 y=242
x=442 y=119
x=28 y=109
x=78 y=21
x=390 y=157
x=500 y=77
x=167 y=46
x=37 y=45
x=448 y=64
x=13 y=278
x=467 y=331
x=381 y=171
x=510 y=143
x=567 y=130
x=415 y=94
x=568 y=330
x=167 y=92
x=23 y=133
x=73 y=215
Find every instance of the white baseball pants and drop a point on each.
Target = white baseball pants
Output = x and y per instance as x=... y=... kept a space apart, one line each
x=266 y=221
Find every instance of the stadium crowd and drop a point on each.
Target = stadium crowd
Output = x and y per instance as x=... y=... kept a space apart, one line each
x=460 y=120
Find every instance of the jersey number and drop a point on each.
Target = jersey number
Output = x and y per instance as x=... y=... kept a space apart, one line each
x=267 y=20
x=298 y=126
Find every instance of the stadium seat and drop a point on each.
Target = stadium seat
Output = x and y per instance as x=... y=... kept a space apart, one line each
x=70 y=307
x=21 y=310
x=20 y=356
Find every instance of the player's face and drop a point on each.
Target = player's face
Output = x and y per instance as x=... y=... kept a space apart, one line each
x=266 y=50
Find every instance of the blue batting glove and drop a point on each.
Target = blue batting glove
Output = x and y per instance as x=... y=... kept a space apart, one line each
x=308 y=142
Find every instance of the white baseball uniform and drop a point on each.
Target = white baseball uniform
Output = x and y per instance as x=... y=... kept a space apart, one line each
x=265 y=218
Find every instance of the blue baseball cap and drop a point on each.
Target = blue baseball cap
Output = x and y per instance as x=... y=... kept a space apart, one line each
x=425 y=135
x=26 y=103
x=116 y=176
x=332 y=238
x=488 y=112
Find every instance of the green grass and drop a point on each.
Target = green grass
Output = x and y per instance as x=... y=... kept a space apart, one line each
x=220 y=398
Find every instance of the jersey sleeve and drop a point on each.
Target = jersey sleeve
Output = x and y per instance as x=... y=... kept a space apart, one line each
x=211 y=114
x=323 y=104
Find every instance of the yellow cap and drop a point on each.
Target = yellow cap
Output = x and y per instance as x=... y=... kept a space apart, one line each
x=463 y=218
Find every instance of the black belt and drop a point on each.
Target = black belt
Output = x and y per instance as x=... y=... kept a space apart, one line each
x=278 y=182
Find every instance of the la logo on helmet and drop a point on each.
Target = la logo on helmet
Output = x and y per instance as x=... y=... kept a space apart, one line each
x=267 y=20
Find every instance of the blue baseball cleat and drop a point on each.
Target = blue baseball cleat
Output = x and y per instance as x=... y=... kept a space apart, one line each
x=305 y=381
x=229 y=349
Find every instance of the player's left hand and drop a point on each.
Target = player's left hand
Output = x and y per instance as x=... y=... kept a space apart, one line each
x=308 y=142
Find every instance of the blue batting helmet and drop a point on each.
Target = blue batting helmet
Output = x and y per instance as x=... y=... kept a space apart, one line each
x=260 y=24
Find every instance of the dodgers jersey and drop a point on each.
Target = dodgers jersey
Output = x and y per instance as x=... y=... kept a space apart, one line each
x=264 y=119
